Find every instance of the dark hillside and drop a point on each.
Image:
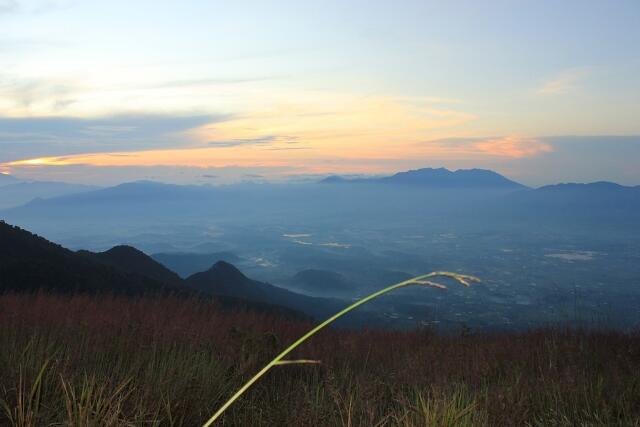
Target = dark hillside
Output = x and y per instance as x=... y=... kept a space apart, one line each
x=131 y=260
x=186 y=264
x=29 y=262
x=226 y=280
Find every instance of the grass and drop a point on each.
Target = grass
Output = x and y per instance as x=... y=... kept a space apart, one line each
x=162 y=361
x=423 y=280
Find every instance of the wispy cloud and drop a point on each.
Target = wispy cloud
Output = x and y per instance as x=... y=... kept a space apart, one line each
x=562 y=83
x=337 y=130
x=514 y=147
x=261 y=140
x=29 y=137
x=35 y=8
x=8 y=6
x=24 y=93
x=41 y=7
x=212 y=81
x=558 y=159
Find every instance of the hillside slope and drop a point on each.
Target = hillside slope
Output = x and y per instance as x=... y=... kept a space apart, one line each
x=29 y=262
x=225 y=279
x=131 y=260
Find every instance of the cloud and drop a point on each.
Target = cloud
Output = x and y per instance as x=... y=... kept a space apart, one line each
x=312 y=134
x=262 y=140
x=511 y=146
x=28 y=137
x=25 y=93
x=558 y=159
x=171 y=174
x=514 y=147
x=338 y=124
x=287 y=148
x=8 y=6
x=564 y=82
x=41 y=7
x=244 y=141
x=212 y=81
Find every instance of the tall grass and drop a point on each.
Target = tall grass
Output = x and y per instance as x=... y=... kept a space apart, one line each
x=84 y=360
x=422 y=280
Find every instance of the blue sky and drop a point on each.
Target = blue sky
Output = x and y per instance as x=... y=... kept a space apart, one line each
x=287 y=88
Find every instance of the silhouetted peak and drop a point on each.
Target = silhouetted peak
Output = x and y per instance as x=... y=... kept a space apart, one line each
x=29 y=262
x=132 y=260
x=437 y=178
x=125 y=250
x=442 y=177
x=227 y=271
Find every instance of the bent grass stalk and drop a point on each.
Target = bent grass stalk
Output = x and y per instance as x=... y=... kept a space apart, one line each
x=422 y=280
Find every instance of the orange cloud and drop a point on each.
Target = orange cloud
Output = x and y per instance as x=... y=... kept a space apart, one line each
x=512 y=146
x=319 y=131
x=41 y=161
x=306 y=160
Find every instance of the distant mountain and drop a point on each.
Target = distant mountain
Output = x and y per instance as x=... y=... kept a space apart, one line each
x=136 y=202
x=440 y=178
x=144 y=202
x=131 y=260
x=226 y=280
x=600 y=208
x=596 y=196
x=29 y=263
x=140 y=192
x=130 y=193
x=16 y=193
x=186 y=264
x=599 y=187
x=6 y=179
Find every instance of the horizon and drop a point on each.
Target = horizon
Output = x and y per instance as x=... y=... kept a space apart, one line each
x=288 y=90
x=297 y=179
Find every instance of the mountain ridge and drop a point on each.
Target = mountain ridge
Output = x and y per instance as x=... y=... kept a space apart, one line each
x=225 y=279
x=134 y=261
x=437 y=178
x=31 y=263
x=188 y=263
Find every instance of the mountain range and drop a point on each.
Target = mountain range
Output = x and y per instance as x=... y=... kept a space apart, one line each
x=186 y=264
x=30 y=263
x=16 y=192
x=6 y=179
x=441 y=178
x=430 y=194
x=471 y=199
x=142 y=195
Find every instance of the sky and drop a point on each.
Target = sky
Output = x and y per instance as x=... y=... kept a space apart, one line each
x=217 y=91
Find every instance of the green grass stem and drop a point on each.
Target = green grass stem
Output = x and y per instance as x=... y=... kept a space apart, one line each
x=422 y=280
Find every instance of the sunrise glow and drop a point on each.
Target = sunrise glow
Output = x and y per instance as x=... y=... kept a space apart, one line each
x=393 y=89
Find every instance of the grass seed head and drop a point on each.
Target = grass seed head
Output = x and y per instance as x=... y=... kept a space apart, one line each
x=463 y=279
x=430 y=284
